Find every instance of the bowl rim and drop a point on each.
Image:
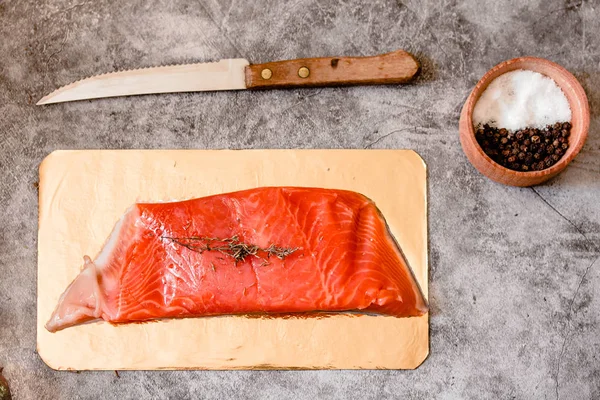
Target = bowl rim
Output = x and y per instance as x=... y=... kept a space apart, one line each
x=583 y=106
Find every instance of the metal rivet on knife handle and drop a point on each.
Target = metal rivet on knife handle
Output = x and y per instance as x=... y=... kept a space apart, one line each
x=303 y=72
x=266 y=73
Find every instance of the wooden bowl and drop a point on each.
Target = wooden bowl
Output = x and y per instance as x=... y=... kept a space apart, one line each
x=580 y=121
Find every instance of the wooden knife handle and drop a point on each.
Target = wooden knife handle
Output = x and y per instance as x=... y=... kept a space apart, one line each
x=395 y=67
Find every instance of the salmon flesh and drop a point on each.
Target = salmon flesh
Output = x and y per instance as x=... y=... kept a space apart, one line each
x=269 y=250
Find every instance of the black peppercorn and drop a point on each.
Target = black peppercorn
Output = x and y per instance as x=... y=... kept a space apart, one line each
x=528 y=149
x=519 y=135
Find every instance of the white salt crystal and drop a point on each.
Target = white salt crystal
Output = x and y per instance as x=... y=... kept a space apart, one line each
x=521 y=99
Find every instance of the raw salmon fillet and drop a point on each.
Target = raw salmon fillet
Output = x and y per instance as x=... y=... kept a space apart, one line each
x=265 y=250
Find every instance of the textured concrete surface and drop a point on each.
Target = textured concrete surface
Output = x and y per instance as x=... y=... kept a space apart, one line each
x=515 y=276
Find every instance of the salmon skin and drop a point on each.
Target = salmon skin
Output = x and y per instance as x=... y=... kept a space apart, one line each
x=266 y=250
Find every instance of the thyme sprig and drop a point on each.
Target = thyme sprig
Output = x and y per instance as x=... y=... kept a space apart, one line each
x=231 y=247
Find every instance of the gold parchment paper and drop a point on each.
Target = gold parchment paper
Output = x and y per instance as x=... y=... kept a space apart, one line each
x=84 y=193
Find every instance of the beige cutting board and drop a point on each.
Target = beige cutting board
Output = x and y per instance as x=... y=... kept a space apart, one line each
x=83 y=194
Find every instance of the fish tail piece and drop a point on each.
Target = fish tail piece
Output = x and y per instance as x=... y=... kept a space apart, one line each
x=81 y=301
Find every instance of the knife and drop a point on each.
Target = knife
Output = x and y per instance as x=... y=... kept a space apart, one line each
x=237 y=74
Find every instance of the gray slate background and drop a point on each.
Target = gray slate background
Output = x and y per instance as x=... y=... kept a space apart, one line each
x=515 y=277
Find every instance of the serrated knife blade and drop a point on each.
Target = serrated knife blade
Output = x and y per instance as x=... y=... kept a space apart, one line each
x=236 y=74
x=222 y=75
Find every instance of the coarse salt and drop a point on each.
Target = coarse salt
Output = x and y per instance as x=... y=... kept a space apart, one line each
x=521 y=99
